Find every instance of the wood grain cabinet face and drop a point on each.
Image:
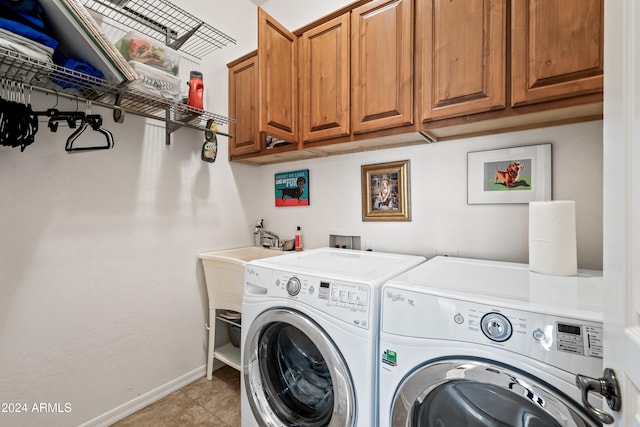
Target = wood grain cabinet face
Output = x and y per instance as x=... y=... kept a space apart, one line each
x=324 y=54
x=277 y=70
x=461 y=51
x=243 y=104
x=557 y=49
x=382 y=65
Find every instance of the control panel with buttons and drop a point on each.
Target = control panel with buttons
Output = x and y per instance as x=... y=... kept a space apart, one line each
x=567 y=343
x=346 y=301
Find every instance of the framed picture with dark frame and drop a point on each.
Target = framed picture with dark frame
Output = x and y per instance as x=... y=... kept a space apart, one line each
x=509 y=175
x=385 y=192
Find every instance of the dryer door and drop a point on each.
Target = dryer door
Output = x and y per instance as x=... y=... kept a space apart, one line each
x=294 y=374
x=474 y=393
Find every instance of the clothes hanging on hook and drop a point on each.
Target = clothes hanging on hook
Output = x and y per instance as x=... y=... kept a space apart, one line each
x=18 y=123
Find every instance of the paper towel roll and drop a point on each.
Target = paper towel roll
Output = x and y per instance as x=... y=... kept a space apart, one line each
x=552 y=238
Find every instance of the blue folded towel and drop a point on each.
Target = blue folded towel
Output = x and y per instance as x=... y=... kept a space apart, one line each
x=72 y=64
x=77 y=65
x=29 y=10
x=28 y=32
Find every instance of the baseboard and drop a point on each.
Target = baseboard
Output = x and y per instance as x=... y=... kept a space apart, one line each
x=146 y=399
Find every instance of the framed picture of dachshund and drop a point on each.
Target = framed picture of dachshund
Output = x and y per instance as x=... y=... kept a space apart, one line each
x=292 y=188
x=509 y=175
x=385 y=192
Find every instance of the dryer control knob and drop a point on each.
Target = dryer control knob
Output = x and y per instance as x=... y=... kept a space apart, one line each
x=496 y=327
x=538 y=335
x=293 y=286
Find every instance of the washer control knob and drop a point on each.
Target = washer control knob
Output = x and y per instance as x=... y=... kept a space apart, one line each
x=458 y=319
x=496 y=327
x=293 y=286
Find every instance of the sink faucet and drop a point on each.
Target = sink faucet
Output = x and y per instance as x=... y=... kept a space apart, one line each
x=269 y=239
x=264 y=238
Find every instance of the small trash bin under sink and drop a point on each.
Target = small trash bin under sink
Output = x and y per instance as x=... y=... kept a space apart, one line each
x=234 y=334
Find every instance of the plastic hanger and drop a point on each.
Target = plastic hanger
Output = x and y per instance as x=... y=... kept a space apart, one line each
x=95 y=122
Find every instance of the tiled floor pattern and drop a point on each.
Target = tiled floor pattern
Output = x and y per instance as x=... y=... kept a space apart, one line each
x=214 y=403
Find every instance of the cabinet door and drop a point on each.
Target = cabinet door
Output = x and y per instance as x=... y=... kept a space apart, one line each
x=462 y=56
x=324 y=80
x=243 y=104
x=277 y=65
x=556 y=49
x=382 y=65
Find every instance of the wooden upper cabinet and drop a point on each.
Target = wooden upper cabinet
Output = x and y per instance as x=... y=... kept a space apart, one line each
x=461 y=54
x=556 y=49
x=243 y=104
x=382 y=65
x=277 y=71
x=324 y=55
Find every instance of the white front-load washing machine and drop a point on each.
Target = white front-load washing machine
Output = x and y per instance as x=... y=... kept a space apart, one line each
x=309 y=337
x=482 y=343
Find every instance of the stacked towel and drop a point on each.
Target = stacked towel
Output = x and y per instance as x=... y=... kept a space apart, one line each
x=25 y=29
x=25 y=46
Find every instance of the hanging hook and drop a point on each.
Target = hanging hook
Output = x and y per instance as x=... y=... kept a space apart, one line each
x=23 y=98
x=57 y=100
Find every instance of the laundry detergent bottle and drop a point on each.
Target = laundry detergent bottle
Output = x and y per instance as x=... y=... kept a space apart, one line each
x=196 y=90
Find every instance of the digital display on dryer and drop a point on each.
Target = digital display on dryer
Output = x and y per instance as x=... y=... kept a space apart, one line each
x=569 y=329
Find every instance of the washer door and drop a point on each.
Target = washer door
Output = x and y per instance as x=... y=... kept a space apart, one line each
x=474 y=393
x=294 y=374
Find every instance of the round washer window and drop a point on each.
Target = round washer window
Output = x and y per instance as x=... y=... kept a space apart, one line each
x=294 y=374
x=294 y=370
x=453 y=392
x=473 y=404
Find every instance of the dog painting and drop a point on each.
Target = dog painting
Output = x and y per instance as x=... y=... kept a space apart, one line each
x=518 y=174
x=294 y=192
x=292 y=188
x=508 y=175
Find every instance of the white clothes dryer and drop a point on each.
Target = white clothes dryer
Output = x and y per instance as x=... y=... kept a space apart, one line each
x=482 y=343
x=309 y=337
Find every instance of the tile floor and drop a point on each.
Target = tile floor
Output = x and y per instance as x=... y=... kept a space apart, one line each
x=214 y=403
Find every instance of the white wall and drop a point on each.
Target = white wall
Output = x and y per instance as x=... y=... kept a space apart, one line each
x=102 y=299
x=441 y=218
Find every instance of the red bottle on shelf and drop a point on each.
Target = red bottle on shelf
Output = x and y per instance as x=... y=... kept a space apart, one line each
x=196 y=90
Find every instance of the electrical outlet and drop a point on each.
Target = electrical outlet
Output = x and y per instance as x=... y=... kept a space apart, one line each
x=447 y=252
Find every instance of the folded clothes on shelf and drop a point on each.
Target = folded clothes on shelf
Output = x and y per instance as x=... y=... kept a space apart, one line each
x=28 y=32
x=67 y=81
x=77 y=65
x=24 y=29
x=25 y=46
x=26 y=11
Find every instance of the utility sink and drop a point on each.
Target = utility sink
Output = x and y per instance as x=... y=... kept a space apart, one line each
x=240 y=255
x=224 y=275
